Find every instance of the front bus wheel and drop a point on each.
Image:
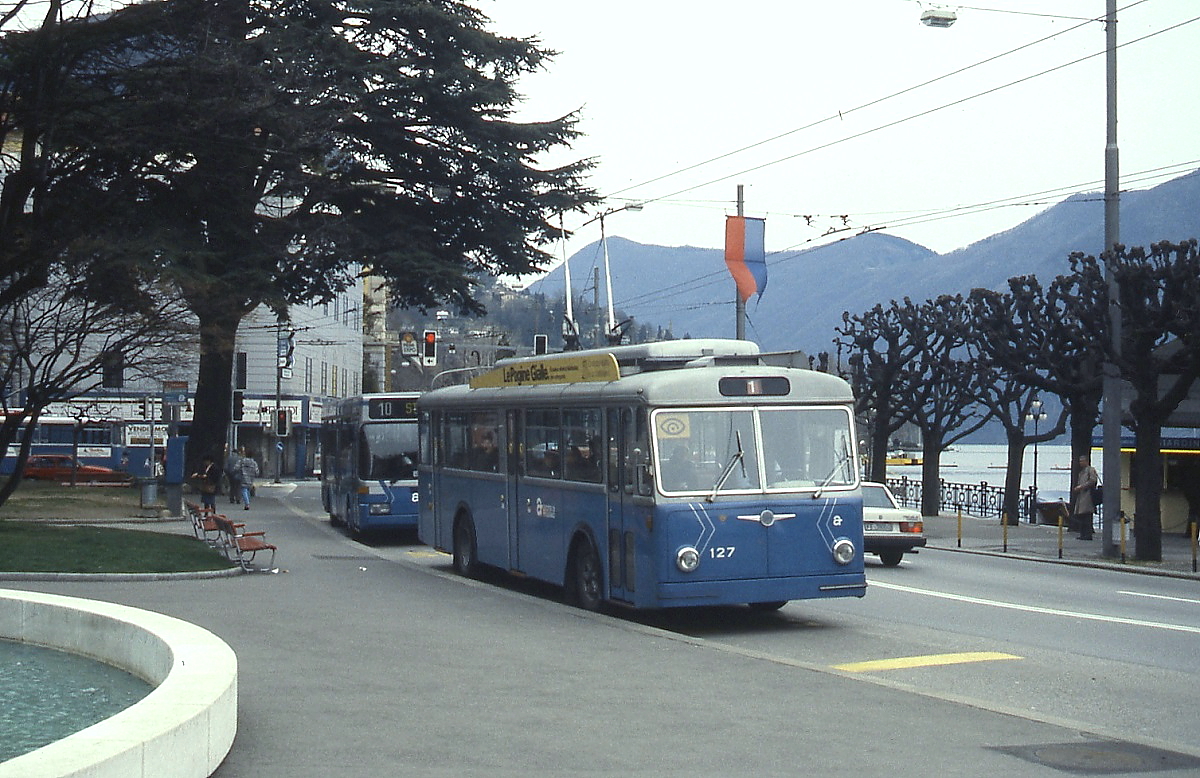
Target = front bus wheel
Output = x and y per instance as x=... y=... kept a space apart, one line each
x=587 y=579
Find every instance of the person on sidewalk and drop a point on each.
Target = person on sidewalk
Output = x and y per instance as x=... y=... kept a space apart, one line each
x=207 y=479
x=1087 y=480
x=233 y=474
x=247 y=470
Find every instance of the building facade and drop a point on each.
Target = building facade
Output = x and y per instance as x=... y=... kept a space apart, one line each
x=296 y=367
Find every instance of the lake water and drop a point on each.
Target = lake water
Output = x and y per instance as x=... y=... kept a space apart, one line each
x=973 y=464
x=46 y=695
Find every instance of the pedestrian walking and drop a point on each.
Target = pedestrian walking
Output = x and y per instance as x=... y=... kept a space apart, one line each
x=234 y=475
x=207 y=479
x=1086 y=482
x=247 y=472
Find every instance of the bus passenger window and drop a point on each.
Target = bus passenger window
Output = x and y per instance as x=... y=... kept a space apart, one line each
x=484 y=433
x=457 y=440
x=542 y=453
x=581 y=428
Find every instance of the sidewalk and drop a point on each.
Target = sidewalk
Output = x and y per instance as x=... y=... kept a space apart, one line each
x=1040 y=542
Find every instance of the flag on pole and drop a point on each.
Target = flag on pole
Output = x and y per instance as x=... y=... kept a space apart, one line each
x=746 y=254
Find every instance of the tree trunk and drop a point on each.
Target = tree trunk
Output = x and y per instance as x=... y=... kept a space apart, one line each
x=1083 y=424
x=931 y=477
x=211 y=414
x=879 y=447
x=1012 y=475
x=1147 y=480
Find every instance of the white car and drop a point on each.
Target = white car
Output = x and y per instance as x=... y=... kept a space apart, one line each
x=889 y=530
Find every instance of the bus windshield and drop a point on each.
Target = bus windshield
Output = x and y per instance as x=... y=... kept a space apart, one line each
x=388 y=452
x=771 y=449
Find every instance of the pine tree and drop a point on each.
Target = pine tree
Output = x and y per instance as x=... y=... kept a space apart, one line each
x=265 y=153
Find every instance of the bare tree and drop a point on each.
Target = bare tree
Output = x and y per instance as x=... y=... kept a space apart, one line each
x=59 y=344
x=939 y=387
x=1010 y=400
x=1159 y=355
x=881 y=345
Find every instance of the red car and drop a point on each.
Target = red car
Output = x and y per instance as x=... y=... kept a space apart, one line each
x=58 y=467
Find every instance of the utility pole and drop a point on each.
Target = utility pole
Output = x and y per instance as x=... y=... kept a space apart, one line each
x=1111 y=417
x=739 y=303
x=279 y=362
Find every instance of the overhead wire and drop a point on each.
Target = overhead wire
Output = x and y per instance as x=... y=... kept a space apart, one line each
x=841 y=114
x=894 y=123
x=917 y=115
x=713 y=277
x=800 y=250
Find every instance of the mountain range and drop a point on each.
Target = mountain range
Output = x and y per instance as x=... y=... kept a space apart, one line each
x=688 y=290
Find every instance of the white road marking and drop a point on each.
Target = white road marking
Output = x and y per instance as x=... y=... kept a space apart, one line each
x=1192 y=600
x=1037 y=609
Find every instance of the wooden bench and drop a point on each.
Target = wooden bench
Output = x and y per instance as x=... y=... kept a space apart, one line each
x=242 y=546
x=203 y=525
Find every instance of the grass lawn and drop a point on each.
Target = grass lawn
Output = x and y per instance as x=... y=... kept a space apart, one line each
x=29 y=544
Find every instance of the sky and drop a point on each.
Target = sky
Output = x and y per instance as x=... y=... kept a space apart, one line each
x=847 y=115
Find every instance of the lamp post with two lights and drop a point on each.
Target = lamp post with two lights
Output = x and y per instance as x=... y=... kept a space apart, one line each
x=1036 y=415
x=570 y=328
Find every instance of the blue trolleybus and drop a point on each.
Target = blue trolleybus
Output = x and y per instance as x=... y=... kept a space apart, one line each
x=669 y=474
x=90 y=442
x=369 y=462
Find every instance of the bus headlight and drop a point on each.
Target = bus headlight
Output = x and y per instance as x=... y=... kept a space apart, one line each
x=844 y=551
x=687 y=559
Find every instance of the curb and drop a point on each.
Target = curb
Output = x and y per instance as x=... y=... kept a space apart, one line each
x=1094 y=564
x=191 y=575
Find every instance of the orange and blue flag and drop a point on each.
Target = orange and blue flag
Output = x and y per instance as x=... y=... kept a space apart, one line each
x=746 y=254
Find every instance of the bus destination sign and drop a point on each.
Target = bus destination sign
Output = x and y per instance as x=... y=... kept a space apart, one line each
x=559 y=370
x=391 y=408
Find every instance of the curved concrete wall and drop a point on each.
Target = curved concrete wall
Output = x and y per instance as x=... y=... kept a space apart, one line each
x=183 y=728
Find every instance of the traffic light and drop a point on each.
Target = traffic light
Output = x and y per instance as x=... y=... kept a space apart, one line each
x=429 y=354
x=238 y=400
x=112 y=366
x=283 y=422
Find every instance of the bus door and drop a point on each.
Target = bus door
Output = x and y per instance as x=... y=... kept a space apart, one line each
x=622 y=485
x=514 y=437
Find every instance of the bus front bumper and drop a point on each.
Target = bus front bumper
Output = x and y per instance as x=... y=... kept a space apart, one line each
x=691 y=593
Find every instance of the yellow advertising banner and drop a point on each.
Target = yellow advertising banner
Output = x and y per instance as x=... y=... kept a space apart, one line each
x=557 y=370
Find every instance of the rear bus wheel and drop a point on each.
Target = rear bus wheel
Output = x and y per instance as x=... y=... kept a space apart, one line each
x=465 y=561
x=587 y=579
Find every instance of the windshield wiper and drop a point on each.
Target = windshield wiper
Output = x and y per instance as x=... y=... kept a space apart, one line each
x=829 y=479
x=738 y=456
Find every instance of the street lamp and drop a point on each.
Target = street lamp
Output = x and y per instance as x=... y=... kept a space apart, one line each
x=1111 y=417
x=938 y=17
x=1036 y=415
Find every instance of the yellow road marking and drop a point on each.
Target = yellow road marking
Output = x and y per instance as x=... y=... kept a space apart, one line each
x=426 y=553
x=929 y=660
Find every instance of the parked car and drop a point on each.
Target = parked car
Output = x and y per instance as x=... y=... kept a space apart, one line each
x=889 y=530
x=58 y=467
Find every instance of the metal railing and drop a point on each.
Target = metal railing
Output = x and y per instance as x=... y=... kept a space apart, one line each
x=982 y=499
